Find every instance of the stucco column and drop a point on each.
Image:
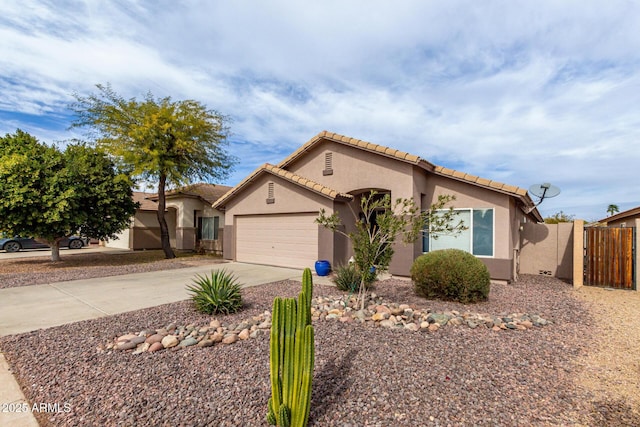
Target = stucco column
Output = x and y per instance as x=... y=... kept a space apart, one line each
x=578 y=250
x=637 y=260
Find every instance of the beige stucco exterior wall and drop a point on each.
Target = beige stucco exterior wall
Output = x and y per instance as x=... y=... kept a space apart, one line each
x=147 y=219
x=144 y=232
x=548 y=249
x=578 y=253
x=506 y=216
x=355 y=171
x=288 y=198
x=625 y=222
x=186 y=229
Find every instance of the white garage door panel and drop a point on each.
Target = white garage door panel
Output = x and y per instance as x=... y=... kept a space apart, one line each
x=283 y=240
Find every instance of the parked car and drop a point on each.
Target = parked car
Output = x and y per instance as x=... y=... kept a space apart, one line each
x=14 y=244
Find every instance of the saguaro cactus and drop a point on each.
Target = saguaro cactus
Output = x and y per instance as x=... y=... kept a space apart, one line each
x=291 y=358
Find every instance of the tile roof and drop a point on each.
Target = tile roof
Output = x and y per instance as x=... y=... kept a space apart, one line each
x=208 y=192
x=145 y=203
x=512 y=189
x=413 y=159
x=374 y=148
x=289 y=176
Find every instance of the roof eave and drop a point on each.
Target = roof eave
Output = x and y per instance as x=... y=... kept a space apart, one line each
x=273 y=170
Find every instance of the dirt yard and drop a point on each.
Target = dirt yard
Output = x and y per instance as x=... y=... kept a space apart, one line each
x=611 y=369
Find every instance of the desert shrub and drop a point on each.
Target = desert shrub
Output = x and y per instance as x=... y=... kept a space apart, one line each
x=450 y=274
x=348 y=278
x=218 y=293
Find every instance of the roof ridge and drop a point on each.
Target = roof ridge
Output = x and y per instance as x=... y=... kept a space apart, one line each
x=354 y=142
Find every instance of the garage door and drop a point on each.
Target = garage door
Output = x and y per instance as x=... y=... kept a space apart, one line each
x=284 y=240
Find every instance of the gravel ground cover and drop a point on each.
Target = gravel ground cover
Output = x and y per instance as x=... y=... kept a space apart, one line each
x=40 y=270
x=363 y=376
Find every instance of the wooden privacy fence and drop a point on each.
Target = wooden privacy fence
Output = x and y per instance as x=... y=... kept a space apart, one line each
x=609 y=255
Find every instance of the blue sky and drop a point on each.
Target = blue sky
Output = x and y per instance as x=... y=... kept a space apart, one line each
x=522 y=92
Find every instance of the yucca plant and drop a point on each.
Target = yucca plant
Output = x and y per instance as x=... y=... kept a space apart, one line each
x=218 y=293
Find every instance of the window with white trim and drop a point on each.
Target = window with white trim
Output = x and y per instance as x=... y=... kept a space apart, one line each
x=478 y=238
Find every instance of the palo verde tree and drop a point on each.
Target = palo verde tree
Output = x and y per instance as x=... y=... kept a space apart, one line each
x=381 y=222
x=169 y=142
x=50 y=194
x=559 y=217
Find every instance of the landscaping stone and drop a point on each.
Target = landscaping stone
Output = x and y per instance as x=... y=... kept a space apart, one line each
x=188 y=342
x=126 y=337
x=169 y=341
x=141 y=348
x=154 y=338
x=230 y=339
x=126 y=345
x=378 y=313
x=155 y=347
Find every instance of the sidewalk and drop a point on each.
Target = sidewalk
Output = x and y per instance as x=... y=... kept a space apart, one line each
x=28 y=308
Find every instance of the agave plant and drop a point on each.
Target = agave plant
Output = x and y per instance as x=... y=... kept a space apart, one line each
x=347 y=278
x=218 y=293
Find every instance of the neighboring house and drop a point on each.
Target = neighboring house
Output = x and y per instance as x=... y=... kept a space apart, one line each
x=622 y=219
x=270 y=214
x=193 y=223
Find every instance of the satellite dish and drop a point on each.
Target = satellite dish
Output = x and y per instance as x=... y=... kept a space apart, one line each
x=542 y=191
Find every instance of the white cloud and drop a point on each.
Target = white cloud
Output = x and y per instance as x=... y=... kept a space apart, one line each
x=523 y=92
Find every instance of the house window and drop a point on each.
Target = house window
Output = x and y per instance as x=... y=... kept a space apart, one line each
x=270 y=197
x=477 y=239
x=208 y=227
x=328 y=164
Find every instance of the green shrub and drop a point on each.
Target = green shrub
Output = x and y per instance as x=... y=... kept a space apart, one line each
x=348 y=278
x=451 y=274
x=219 y=293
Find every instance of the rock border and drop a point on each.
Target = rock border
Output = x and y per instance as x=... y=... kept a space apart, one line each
x=377 y=314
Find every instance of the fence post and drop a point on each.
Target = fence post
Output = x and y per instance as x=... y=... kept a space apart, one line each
x=578 y=253
x=636 y=261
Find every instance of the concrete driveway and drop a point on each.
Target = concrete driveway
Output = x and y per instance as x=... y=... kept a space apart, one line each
x=28 y=308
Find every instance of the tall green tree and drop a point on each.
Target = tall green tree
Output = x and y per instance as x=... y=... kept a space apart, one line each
x=169 y=142
x=382 y=222
x=50 y=194
x=612 y=209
